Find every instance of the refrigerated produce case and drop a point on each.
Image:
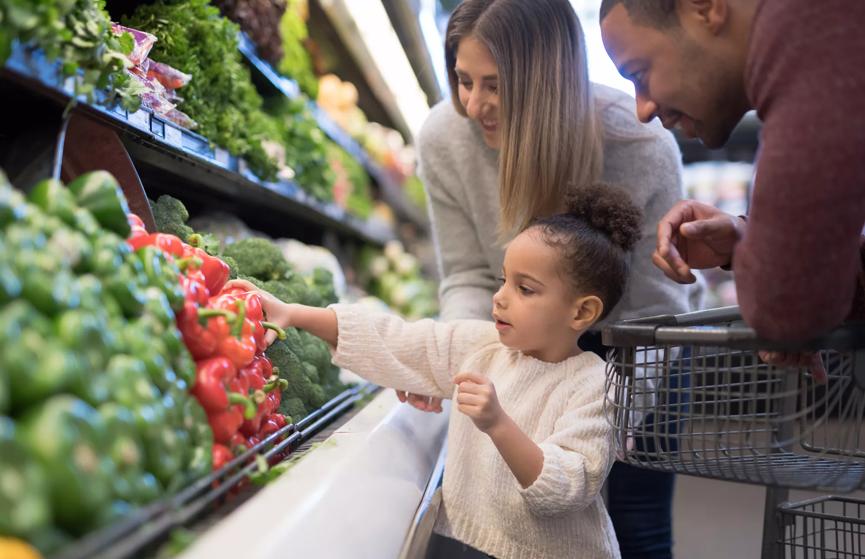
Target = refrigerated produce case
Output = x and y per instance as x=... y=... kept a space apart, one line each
x=365 y=446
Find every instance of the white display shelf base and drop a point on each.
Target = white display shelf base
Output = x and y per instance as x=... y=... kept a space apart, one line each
x=355 y=495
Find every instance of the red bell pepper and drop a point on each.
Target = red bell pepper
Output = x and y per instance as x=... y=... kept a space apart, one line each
x=169 y=244
x=221 y=456
x=136 y=225
x=202 y=340
x=214 y=379
x=226 y=423
x=255 y=313
x=193 y=287
x=216 y=272
x=239 y=444
x=238 y=344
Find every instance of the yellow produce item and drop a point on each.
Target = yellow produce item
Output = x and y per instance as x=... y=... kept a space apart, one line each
x=11 y=548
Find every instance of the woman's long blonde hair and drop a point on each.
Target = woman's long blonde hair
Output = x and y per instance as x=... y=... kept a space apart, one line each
x=551 y=135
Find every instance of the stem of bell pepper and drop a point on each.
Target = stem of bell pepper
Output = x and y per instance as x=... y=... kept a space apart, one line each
x=280 y=383
x=280 y=333
x=204 y=314
x=185 y=263
x=237 y=327
x=249 y=407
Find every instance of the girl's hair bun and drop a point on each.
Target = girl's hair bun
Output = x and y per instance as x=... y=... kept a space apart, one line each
x=609 y=210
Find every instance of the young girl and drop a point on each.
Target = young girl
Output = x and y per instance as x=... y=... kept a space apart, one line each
x=530 y=448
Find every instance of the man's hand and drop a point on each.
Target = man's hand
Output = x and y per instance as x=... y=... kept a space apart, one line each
x=476 y=397
x=423 y=403
x=695 y=236
x=810 y=360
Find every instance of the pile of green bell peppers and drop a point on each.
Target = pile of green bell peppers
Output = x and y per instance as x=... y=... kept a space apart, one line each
x=95 y=412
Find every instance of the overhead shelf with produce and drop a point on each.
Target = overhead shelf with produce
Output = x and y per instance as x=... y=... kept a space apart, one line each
x=188 y=158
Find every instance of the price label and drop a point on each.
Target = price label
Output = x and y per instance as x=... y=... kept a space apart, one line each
x=174 y=136
x=140 y=119
x=222 y=157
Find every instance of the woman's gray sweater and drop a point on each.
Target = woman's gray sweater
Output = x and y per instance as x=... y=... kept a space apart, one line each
x=460 y=173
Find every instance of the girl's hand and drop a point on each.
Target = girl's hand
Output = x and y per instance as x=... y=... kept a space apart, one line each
x=423 y=403
x=274 y=310
x=476 y=397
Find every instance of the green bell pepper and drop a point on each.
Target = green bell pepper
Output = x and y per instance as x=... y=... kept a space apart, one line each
x=99 y=192
x=24 y=497
x=123 y=286
x=10 y=283
x=163 y=448
x=201 y=439
x=72 y=248
x=129 y=384
x=36 y=367
x=68 y=438
x=13 y=207
x=54 y=199
x=162 y=274
x=109 y=253
x=86 y=223
x=87 y=334
x=131 y=482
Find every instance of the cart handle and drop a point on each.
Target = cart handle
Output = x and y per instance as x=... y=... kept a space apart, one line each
x=721 y=327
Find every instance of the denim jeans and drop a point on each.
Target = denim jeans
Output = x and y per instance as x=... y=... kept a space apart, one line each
x=639 y=501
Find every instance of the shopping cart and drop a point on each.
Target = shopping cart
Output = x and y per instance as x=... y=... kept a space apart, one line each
x=825 y=527
x=688 y=394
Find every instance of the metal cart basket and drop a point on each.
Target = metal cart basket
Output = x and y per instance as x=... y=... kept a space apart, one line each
x=823 y=528
x=689 y=394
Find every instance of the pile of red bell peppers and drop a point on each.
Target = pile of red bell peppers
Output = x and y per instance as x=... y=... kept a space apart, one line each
x=224 y=329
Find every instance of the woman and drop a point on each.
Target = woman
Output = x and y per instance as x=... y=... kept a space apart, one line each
x=523 y=126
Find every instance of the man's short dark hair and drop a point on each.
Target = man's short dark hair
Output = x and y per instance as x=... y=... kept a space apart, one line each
x=657 y=13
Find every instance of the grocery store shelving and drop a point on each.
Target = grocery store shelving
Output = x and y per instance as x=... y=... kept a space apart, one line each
x=140 y=532
x=191 y=157
x=265 y=75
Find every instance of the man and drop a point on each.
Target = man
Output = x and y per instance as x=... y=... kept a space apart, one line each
x=701 y=65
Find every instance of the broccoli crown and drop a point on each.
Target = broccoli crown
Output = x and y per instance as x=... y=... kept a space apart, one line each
x=171 y=216
x=311 y=372
x=232 y=266
x=322 y=279
x=285 y=290
x=293 y=408
x=285 y=359
x=258 y=258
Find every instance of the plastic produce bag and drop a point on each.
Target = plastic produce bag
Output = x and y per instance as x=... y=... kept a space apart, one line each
x=143 y=42
x=170 y=78
x=224 y=226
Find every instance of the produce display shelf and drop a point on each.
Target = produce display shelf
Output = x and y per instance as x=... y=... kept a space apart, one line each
x=141 y=532
x=277 y=84
x=190 y=156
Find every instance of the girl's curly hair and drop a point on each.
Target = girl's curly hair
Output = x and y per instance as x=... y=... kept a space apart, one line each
x=594 y=237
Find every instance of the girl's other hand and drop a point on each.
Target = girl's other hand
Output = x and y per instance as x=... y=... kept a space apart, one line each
x=423 y=403
x=476 y=397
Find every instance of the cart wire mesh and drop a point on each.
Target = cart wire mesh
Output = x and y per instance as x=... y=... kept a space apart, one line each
x=827 y=527
x=689 y=394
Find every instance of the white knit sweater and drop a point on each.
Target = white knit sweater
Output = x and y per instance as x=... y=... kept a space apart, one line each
x=558 y=405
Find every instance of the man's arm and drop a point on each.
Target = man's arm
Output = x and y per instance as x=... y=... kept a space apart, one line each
x=798 y=265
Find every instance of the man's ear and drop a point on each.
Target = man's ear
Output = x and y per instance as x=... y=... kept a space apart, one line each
x=585 y=312
x=711 y=15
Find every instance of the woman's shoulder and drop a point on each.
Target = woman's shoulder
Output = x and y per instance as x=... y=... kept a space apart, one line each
x=443 y=128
